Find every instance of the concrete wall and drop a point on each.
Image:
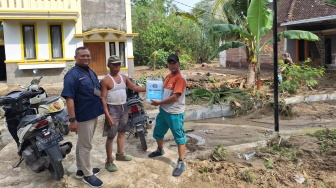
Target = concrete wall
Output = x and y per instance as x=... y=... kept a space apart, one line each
x=16 y=76
x=320 y=46
x=102 y=14
x=235 y=55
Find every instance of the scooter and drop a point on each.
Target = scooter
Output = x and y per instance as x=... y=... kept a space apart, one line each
x=53 y=105
x=37 y=141
x=138 y=121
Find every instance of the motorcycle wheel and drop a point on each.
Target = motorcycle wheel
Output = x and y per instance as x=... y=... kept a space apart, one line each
x=56 y=169
x=63 y=128
x=141 y=135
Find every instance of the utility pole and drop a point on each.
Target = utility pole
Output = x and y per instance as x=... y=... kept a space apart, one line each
x=276 y=82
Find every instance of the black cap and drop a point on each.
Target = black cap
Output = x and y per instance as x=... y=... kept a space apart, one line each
x=173 y=57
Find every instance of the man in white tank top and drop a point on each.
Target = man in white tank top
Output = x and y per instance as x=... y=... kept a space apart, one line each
x=113 y=89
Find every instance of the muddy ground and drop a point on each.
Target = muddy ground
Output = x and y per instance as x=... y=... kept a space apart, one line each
x=301 y=166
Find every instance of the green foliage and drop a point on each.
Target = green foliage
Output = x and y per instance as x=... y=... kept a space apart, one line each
x=212 y=79
x=300 y=77
x=268 y=164
x=254 y=24
x=285 y=151
x=185 y=61
x=333 y=2
x=219 y=153
x=220 y=96
x=143 y=79
x=160 y=29
x=158 y=59
x=248 y=176
x=206 y=169
x=327 y=137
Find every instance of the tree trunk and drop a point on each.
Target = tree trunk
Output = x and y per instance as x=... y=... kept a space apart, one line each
x=252 y=65
x=251 y=75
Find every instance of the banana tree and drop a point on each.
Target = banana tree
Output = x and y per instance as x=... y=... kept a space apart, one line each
x=259 y=24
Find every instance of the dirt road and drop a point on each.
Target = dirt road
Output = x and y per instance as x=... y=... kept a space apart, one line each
x=202 y=170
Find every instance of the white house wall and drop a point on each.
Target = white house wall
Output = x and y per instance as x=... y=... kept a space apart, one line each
x=12 y=36
x=12 y=40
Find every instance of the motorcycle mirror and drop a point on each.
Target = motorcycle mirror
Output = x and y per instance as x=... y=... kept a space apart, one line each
x=35 y=71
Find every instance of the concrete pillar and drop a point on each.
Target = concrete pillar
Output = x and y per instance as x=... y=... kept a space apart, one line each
x=222 y=55
x=130 y=62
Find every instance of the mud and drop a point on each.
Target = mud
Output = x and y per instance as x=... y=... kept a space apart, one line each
x=317 y=170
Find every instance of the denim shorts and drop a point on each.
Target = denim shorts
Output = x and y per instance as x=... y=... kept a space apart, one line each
x=119 y=114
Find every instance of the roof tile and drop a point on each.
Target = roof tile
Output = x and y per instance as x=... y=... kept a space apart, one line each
x=294 y=10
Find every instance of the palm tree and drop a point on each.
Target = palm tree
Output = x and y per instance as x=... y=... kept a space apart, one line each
x=250 y=20
x=200 y=15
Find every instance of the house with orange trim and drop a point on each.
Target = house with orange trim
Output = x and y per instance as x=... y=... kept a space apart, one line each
x=314 y=16
x=308 y=15
x=43 y=35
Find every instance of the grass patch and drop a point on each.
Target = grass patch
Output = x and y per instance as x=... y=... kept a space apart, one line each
x=279 y=151
x=219 y=153
x=327 y=137
x=205 y=170
x=248 y=176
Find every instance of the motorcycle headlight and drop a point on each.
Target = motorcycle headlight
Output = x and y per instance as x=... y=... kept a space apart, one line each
x=56 y=106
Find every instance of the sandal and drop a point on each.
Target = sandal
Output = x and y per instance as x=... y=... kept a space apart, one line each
x=123 y=157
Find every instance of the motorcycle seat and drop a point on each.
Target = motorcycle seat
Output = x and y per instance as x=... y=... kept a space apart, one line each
x=49 y=100
x=133 y=100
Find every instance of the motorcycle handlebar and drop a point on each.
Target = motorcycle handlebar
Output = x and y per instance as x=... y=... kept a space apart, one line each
x=26 y=94
x=30 y=94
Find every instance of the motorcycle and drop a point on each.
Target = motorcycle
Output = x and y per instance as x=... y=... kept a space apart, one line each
x=38 y=143
x=138 y=121
x=53 y=105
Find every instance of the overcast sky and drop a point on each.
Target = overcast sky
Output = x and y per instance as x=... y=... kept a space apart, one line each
x=190 y=3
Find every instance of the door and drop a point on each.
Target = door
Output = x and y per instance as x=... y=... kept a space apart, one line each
x=3 y=75
x=327 y=46
x=98 y=57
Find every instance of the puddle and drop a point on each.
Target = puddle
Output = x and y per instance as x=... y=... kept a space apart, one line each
x=200 y=139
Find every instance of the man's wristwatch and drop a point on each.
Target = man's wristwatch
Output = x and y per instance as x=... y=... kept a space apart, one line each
x=72 y=119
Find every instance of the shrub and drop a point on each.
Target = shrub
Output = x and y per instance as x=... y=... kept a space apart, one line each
x=158 y=59
x=300 y=77
x=185 y=61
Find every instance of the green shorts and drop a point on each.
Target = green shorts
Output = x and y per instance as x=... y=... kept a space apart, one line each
x=174 y=122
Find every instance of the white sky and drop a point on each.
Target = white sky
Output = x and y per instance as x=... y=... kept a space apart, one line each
x=186 y=2
x=189 y=3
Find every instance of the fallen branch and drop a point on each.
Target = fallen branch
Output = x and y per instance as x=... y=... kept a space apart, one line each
x=242 y=83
